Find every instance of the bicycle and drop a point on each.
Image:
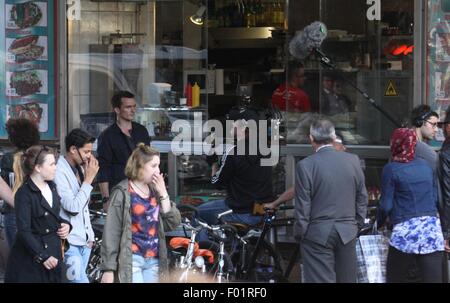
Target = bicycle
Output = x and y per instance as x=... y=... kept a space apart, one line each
x=255 y=259
x=188 y=255
x=93 y=271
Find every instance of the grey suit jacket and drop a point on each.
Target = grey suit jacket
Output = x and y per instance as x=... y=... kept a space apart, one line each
x=329 y=191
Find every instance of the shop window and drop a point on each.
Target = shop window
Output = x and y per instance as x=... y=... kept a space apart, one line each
x=144 y=47
x=373 y=56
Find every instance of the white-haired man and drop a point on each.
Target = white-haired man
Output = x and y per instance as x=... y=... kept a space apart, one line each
x=330 y=204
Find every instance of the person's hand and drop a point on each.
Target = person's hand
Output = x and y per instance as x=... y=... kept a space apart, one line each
x=108 y=277
x=446 y=246
x=63 y=231
x=271 y=205
x=91 y=169
x=50 y=263
x=159 y=185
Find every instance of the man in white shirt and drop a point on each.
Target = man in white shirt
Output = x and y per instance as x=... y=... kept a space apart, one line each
x=74 y=176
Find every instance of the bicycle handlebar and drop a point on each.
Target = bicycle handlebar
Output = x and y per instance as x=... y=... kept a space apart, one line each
x=209 y=227
x=187 y=224
x=227 y=212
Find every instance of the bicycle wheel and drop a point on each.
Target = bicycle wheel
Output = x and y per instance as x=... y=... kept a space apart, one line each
x=213 y=268
x=93 y=271
x=268 y=263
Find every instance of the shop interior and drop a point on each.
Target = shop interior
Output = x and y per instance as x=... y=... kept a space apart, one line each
x=186 y=57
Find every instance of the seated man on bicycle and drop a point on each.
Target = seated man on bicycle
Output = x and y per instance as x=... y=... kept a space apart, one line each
x=241 y=174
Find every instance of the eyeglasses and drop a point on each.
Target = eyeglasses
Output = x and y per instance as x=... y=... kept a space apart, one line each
x=43 y=148
x=434 y=125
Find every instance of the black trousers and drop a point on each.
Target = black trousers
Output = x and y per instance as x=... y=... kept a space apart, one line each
x=334 y=262
x=429 y=267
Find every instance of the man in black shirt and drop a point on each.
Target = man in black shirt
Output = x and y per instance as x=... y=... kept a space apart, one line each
x=117 y=142
x=243 y=176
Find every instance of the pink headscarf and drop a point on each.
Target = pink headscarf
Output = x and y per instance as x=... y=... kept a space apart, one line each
x=403 y=144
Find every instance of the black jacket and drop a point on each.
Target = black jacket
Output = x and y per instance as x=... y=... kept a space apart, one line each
x=6 y=167
x=245 y=180
x=36 y=240
x=444 y=177
x=114 y=149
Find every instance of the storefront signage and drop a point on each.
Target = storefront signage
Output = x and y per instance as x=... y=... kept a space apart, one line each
x=74 y=10
x=28 y=69
x=390 y=90
x=374 y=10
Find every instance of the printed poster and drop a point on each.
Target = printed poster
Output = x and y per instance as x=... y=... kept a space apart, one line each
x=27 y=72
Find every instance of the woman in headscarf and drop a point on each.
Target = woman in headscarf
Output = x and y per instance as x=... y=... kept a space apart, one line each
x=409 y=202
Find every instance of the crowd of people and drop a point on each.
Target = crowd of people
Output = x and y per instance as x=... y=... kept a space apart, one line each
x=48 y=197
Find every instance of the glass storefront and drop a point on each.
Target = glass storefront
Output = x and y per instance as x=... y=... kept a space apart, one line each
x=185 y=57
x=145 y=47
x=370 y=56
x=153 y=49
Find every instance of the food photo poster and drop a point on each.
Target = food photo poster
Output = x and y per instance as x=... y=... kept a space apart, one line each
x=28 y=66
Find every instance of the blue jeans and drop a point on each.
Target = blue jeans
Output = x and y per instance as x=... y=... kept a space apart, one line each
x=208 y=212
x=76 y=260
x=145 y=270
x=10 y=227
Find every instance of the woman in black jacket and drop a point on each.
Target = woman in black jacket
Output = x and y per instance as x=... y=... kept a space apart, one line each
x=37 y=255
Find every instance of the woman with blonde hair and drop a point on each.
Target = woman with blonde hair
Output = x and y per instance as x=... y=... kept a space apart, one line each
x=37 y=252
x=140 y=212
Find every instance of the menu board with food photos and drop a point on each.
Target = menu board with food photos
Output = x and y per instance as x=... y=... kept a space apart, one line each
x=28 y=71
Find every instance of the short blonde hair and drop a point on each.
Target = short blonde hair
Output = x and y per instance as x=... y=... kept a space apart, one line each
x=141 y=155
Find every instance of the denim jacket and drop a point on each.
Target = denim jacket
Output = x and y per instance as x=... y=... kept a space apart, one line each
x=408 y=190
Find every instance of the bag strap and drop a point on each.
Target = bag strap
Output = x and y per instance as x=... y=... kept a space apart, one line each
x=375 y=228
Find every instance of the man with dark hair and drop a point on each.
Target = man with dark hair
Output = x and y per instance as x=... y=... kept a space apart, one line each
x=425 y=123
x=331 y=103
x=117 y=142
x=330 y=205
x=75 y=173
x=289 y=96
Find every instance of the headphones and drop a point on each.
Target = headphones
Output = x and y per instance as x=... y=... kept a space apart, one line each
x=418 y=121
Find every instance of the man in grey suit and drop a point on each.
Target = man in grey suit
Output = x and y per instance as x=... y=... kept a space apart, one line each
x=330 y=206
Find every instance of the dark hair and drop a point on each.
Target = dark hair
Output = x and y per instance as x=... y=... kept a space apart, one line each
x=421 y=113
x=293 y=66
x=22 y=133
x=329 y=75
x=78 y=138
x=35 y=155
x=116 y=100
